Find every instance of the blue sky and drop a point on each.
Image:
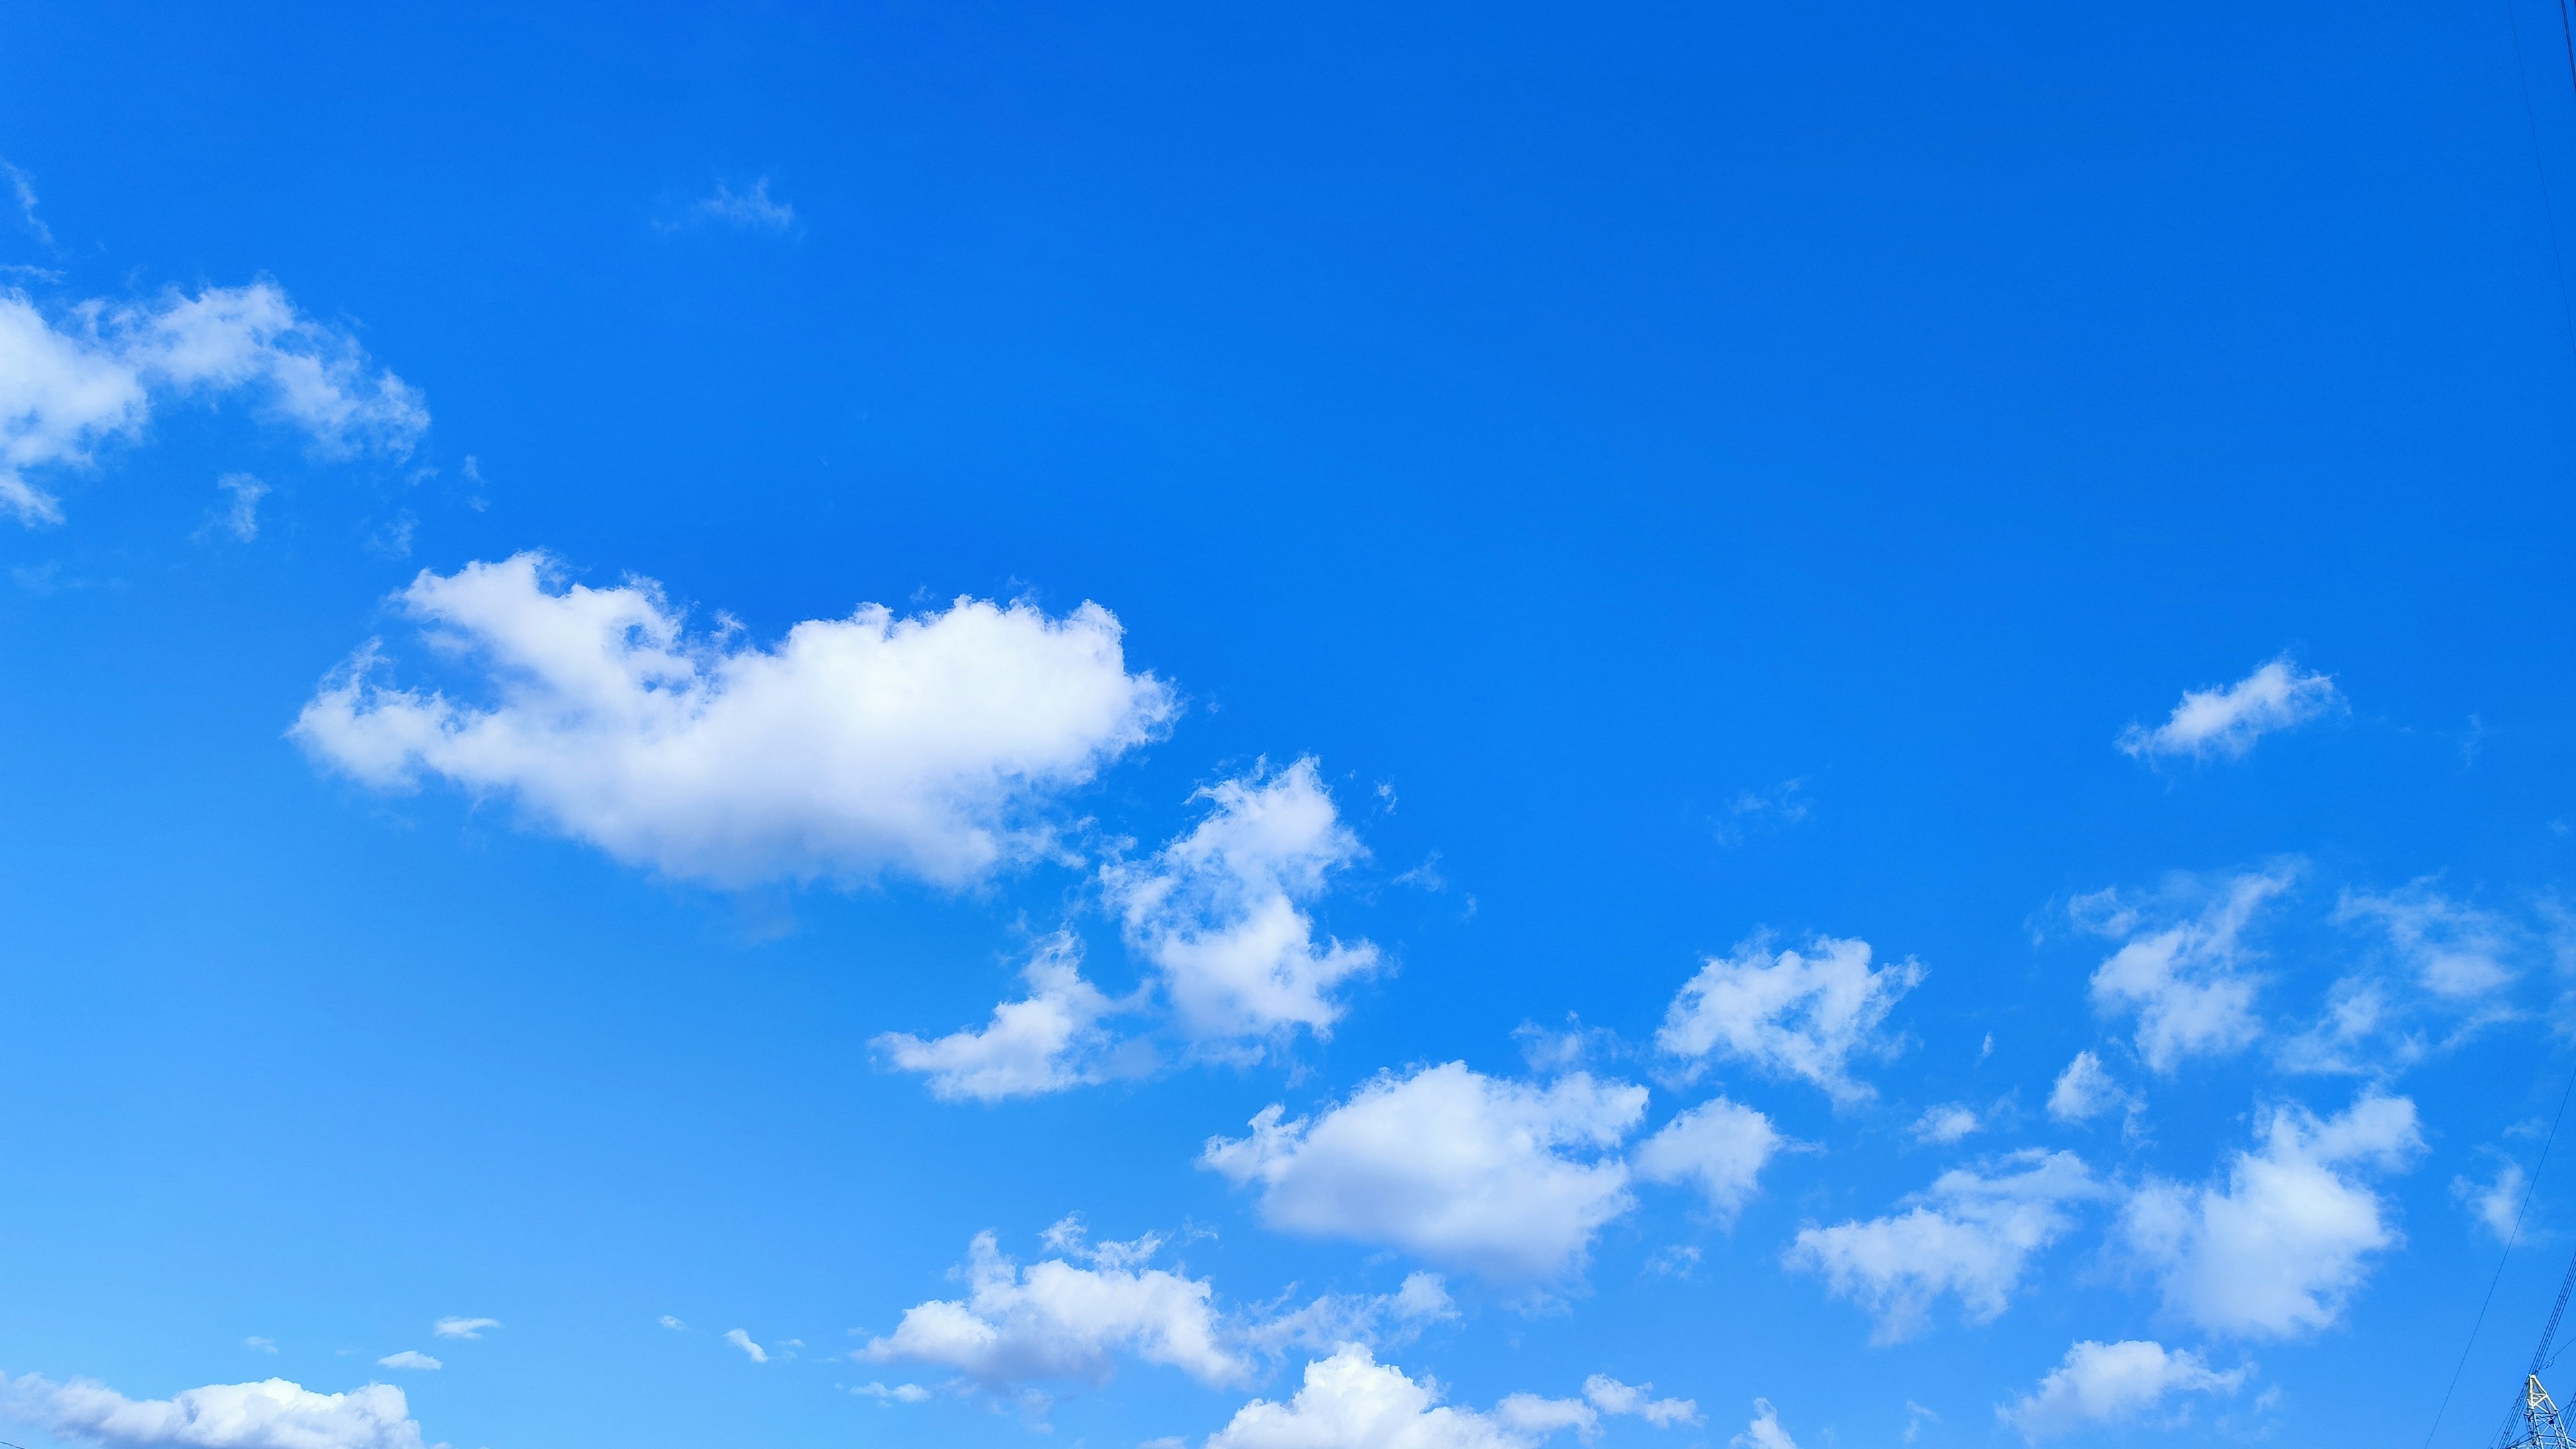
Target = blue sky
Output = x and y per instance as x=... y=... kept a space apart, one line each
x=1127 y=726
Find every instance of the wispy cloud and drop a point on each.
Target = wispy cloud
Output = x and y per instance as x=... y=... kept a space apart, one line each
x=751 y=210
x=22 y=189
x=2226 y=720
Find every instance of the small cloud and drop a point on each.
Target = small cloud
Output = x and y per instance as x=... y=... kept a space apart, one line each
x=2227 y=720
x=754 y=210
x=463 y=1327
x=742 y=1340
x=898 y=1394
x=1425 y=876
x=409 y=1358
x=240 y=518
x=263 y=1345
x=1945 y=1124
x=1782 y=805
x=672 y=1323
x=22 y=190
x=1916 y=1416
x=392 y=538
x=2497 y=1205
x=1676 y=1260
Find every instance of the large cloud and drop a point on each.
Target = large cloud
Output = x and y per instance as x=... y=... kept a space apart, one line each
x=2114 y=1385
x=66 y=388
x=274 y=1414
x=2183 y=965
x=2280 y=1245
x=926 y=744
x=1972 y=1234
x=1791 y=1013
x=1221 y=911
x=2227 y=721
x=1058 y=1320
x=1500 y=1177
x=1351 y=1401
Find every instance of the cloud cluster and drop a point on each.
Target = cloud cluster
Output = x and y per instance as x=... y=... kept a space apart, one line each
x=1503 y=1178
x=2183 y=966
x=2278 y=1246
x=1790 y=1013
x=2113 y=1385
x=274 y=1414
x=1351 y=1401
x=1221 y=912
x=2226 y=721
x=1972 y=1235
x=67 y=387
x=1062 y=1320
x=927 y=745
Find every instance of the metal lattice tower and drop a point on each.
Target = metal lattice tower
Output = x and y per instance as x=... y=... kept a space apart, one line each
x=2543 y=1429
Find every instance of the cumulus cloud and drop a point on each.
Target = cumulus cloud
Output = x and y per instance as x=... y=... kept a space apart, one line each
x=1945 y=1124
x=1351 y=1401
x=69 y=385
x=273 y=1414
x=1058 y=1319
x=2281 y=1243
x=1221 y=912
x=2184 y=964
x=898 y=1394
x=2084 y=1091
x=1719 y=1146
x=1765 y=1431
x=1972 y=1235
x=1047 y=1041
x=1503 y=1178
x=2226 y=721
x=463 y=1327
x=2114 y=1385
x=410 y=1358
x=750 y=1350
x=926 y=745
x=1790 y=1013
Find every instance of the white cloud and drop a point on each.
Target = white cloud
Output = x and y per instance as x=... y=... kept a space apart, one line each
x=1047 y=1041
x=1718 y=1146
x=264 y=1345
x=672 y=1323
x=240 y=518
x=1220 y=912
x=1971 y=1235
x=2227 y=721
x=1791 y=1014
x=898 y=1394
x=274 y=1414
x=1765 y=1431
x=2497 y=1205
x=22 y=189
x=2084 y=1091
x=751 y=210
x=2115 y=1385
x=1496 y=1176
x=2186 y=978
x=1377 y=1320
x=463 y=1327
x=66 y=389
x=410 y=1358
x=1054 y=1320
x=750 y=1350
x=2281 y=1245
x=2437 y=979
x=1945 y=1124
x=1351 y=1401
x=2452 y=950
x=925 y=744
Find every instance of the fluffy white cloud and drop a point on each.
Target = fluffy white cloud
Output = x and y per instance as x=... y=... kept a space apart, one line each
x=1719 y=1147
x=2112 y=1385
x=898 y=1394
x=1765 y=1431
x=1790 y=1013
x=923 y=744
x=2084 y=1091
x=1351 y=1401
x=1221 y=912
x=2280 y=1246
x=2187 y=979
x=2227 y=721
x=1945 y=1124
x=1971 y=1235
x=65 y=389
x=410 y=1358
x=1500 y=1177
x=1047 y=1041
x=750 y=1350
x=273 y=1414
x=1055 y=1320
x=463 y=1327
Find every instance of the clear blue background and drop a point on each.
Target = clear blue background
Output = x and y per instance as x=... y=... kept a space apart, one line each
x=1574 y=420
